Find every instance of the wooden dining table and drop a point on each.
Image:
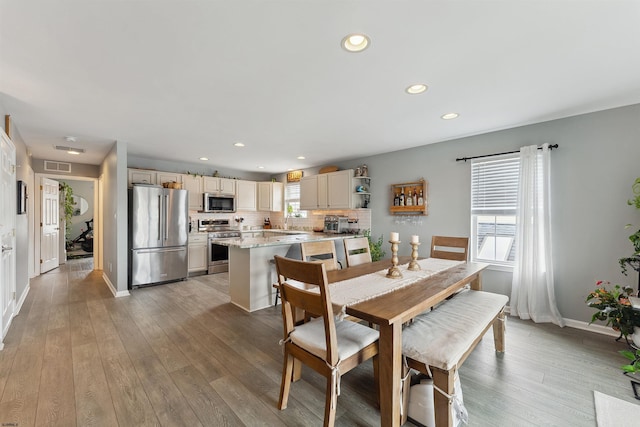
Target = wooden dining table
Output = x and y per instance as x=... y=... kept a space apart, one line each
x=391 y=310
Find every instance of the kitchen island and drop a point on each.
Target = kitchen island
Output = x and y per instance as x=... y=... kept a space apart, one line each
x=251 y=270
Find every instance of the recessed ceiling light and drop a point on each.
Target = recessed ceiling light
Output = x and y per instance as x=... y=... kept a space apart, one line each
x=355 y=42
x=416 y=89
x=74 y=152
x=238 y=144
x=289 y=170
x=204 y=158
x=260 y=167
x=301 y=157
x=70 y=138
x=449 y=116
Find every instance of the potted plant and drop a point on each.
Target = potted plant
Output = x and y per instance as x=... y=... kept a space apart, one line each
x=68 y=206
x=633 y=261
x=375 y=247
x=614 y=307
x=632 y=368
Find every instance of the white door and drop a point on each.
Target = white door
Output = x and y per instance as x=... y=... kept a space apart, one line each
x=50 y=228
x=7 y=232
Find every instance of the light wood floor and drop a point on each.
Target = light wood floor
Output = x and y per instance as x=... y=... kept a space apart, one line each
x=181 y=354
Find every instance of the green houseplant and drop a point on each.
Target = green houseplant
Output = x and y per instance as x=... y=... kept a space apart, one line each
x=614 y=307
x=633 y=261
x=68 y=207
x=375 y=246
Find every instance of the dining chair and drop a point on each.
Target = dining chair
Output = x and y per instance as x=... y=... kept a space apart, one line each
x=453 y=248
x=327 y=345
x=357 y=251
x=323 y=250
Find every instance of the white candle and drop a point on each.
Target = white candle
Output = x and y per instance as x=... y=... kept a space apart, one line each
x=415 y=239
x=395 y=236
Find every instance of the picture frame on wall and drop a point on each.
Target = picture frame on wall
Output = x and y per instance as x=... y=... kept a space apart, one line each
x=22 y=197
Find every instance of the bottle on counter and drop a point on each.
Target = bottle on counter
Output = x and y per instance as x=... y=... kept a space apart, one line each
x=401 y=203
x=396 y=199
x=409 y=200
x=421 y=199
x=415 y=198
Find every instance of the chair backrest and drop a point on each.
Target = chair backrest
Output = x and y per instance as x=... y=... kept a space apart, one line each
x=454 y=248
x=324 y=250
x=357 y=251
x=306 y=298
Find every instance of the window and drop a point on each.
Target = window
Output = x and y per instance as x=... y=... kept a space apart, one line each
x=494 y=199
x=292 y=198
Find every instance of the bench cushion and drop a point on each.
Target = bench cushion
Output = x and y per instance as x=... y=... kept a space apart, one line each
x=442 y=336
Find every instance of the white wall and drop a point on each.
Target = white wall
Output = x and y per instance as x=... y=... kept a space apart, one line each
x=592 y=172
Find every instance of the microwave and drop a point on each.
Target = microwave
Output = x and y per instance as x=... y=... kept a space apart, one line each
x=217 y=203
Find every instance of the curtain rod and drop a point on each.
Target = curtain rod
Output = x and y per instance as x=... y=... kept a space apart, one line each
x=552 y=146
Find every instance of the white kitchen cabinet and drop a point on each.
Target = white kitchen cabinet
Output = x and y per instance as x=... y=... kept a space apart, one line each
x=327 y=191
x=313 y=192
x=162 y=177
x=246 y=197
x=198 y=260
x=194 y=185
x=141 y=176
x=220 y=185
x=339 y=189
x=270 y=196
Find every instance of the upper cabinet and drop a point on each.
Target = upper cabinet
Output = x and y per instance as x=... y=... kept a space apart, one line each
x=194 y=184
x=270 y=196
x=141 y=176
x=220 y=185
x=162 y=177
x=327 y=191
x=246 y=195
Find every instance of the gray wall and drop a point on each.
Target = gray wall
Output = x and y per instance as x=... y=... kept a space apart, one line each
x=114 y=173
x=592 y=172
x=77 y=169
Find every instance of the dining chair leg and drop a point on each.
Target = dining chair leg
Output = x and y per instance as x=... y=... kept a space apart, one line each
x=329 y=409
x=376 y=378
x=285 y=385
x=275 y=304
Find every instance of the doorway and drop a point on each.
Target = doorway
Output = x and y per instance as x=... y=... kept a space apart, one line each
x=85 y=209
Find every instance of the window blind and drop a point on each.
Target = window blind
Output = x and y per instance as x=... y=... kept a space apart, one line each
x=494 y=186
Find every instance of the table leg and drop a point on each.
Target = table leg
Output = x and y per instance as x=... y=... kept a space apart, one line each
x=476 y=282
x=390 y=360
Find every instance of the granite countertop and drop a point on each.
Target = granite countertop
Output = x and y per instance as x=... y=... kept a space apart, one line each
x=263 y=238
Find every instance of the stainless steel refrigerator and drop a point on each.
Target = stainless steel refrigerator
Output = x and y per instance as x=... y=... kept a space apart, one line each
x=158 y=235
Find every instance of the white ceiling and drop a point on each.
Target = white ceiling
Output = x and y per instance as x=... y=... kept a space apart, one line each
x=177 y=80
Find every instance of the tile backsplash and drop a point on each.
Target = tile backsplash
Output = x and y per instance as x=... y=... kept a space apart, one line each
x=315 y=219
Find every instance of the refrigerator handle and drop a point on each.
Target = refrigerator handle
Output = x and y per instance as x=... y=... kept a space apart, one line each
x=166 y=217
x=159 y=217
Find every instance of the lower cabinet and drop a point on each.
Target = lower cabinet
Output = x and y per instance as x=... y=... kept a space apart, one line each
x=198 y=260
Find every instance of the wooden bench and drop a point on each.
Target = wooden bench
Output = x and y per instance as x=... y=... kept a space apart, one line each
x=437 y=342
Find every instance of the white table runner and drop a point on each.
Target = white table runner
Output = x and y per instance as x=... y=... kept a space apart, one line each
x=363 y=288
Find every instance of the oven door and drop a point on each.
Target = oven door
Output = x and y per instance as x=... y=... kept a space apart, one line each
x=218 y=257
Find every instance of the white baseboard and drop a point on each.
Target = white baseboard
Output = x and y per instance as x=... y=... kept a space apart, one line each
x=113 y=289
x=585 y=326
x=22 y=298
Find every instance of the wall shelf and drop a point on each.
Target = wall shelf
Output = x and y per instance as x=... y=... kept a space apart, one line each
x=409 y=188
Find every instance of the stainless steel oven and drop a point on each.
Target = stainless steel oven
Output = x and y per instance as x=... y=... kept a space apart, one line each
x=218 y=255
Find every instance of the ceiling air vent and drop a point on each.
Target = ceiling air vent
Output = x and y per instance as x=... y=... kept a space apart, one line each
x=51 y=166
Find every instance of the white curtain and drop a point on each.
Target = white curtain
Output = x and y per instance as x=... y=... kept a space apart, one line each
x=532 y=290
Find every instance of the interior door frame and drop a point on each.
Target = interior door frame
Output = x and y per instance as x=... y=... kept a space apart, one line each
x=37 y=218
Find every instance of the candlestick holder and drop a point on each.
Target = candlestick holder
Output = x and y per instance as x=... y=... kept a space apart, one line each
x=394 y=271
x=413 y=264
